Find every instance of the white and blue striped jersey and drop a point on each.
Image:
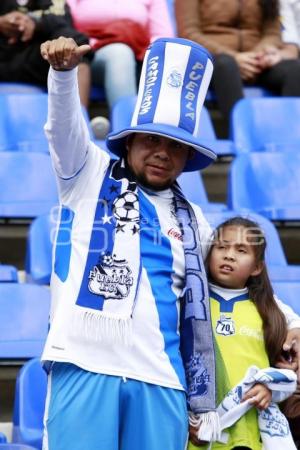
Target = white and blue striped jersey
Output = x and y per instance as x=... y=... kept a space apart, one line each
x=154 y=355
x=80 y=166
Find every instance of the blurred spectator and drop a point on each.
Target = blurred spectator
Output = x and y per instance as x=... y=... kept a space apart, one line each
x=290 y=21
x=245 y=39
x=120 y=32
x=24 y=25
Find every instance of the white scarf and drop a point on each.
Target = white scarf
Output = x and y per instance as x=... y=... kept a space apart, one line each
x=273 y=425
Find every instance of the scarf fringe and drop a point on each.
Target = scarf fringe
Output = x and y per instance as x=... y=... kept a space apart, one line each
x=207 y=424
x=102 y=327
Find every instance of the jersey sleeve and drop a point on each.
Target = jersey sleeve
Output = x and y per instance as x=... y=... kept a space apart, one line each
x=67 y=132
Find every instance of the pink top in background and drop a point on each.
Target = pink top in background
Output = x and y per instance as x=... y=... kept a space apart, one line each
x=153 y=15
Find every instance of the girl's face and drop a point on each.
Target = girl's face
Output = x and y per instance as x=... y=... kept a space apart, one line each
x=232 y=260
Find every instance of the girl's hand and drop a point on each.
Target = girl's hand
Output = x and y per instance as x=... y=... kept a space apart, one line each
x=259 y=395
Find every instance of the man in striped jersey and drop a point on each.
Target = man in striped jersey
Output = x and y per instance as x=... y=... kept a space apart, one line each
x=130 y=338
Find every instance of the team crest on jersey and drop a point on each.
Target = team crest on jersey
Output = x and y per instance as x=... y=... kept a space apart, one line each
x=198 y=377
x=273 y=422
x=174 y=78
x=225 y=326
x=111 y=278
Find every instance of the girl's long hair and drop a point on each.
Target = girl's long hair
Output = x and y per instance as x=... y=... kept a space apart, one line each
x=261 y=291
x=270 y=9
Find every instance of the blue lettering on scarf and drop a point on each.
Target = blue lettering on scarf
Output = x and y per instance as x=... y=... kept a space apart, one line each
x=273 y=422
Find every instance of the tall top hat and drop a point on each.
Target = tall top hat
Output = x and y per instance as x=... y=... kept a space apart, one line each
x=174 y=81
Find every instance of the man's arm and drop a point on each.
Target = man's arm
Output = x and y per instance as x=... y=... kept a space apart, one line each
x=292 y=318
x=66 y=128
x=292 y=342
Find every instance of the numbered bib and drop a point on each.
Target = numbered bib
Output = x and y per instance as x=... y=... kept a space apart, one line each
x=225 y=326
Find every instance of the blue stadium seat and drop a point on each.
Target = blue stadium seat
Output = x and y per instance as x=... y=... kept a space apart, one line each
x=9 y=446
x=121 y=113
x=278 y=267
x=208 y=137
x=27 y=184
x=256 y=92
x=266 y=124
x=11 y=87
x=8 y=274
x=289 y=293
x=267 y=183
x=29 y=404
x=24 y=312
x=121 y=117
x=249 y=92
x=22 y=120
x=38 y=264
x=193 y=188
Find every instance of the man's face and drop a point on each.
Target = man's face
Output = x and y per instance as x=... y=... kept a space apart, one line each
x=155 y=160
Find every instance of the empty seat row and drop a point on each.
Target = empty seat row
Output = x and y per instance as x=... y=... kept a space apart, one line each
x=257 y=124
x=22 y=120
x=266 y=183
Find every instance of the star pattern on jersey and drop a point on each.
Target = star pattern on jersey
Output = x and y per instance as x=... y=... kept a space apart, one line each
x=135 y=229
x=113 y=188
x=106 y=219
x=120 y=227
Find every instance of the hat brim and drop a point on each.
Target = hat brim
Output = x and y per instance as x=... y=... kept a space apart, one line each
x=116 y=141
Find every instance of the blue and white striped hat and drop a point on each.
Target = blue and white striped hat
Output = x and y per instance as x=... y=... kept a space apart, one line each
x=175 y=77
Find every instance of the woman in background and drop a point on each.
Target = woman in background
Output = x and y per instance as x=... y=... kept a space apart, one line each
x=245 y=39
x=120 y=31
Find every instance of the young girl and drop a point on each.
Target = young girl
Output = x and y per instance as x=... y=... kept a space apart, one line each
x=248 y=326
